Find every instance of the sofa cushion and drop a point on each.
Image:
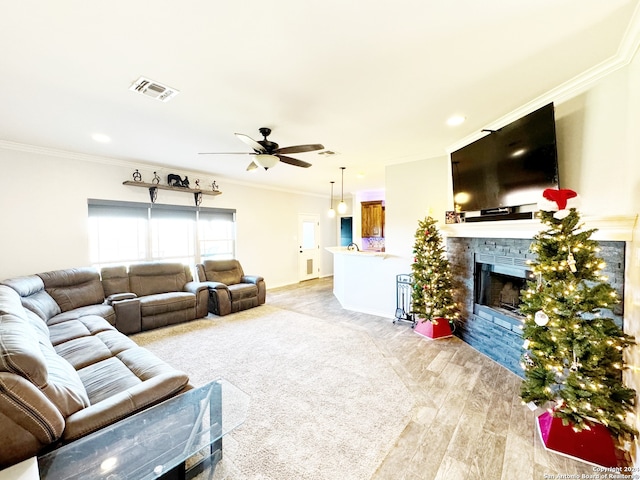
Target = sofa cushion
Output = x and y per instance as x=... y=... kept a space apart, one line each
x=115 y=280
x=74 y=287
x=103 y=310
x=83 y=351
x=20 y=351
x=166 y=302
x=33 y=295
x=228 y=272
x=25 y=352
x=64 y=387
x=81 y=327
x=241 y=291
x=151 y=278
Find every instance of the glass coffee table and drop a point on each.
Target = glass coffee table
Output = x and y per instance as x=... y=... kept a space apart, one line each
x=176 y=439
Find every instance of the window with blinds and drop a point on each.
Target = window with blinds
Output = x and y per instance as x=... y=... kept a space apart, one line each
x=126 y=232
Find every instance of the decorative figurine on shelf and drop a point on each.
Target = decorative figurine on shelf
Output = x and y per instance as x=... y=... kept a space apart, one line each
x=137 y=176
x=156 y=179
x=214 y=186
x=174 y=180
x=197 y=184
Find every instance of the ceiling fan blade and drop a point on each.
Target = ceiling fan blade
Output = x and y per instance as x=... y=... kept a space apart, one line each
x=299 y=148
x=226 y=153
x=293 y=161
x=251 y=142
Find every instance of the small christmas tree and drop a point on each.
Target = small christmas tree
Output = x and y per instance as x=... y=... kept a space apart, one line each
x=432 y=293
x=573 y=353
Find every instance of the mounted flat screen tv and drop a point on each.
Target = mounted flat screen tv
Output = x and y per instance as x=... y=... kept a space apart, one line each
x=509 y=167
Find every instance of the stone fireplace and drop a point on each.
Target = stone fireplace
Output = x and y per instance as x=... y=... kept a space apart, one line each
x=488 y=275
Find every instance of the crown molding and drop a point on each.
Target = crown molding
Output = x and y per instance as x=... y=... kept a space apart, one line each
x=138 y=164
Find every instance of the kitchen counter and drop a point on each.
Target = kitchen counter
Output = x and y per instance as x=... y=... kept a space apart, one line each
x=346 y=251
x=365 y=281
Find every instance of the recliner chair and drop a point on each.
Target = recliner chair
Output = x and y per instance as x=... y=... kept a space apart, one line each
x=230 y=290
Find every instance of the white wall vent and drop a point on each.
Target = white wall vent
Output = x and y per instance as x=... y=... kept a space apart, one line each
x=153 y=89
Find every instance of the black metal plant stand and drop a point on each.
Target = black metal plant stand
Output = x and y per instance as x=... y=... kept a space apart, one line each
x=404 y=287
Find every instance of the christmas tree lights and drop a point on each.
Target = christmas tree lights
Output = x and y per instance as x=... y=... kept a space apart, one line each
x=432 y=293
x=573 y=357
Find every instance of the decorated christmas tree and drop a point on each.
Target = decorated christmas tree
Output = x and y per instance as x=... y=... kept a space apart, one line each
x=432 y=294
x=573 y=352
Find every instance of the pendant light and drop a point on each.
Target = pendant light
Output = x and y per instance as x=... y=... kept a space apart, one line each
x=342 y=207
x=331 y=213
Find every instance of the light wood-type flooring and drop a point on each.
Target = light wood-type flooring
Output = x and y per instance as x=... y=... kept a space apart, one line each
x=468 y=422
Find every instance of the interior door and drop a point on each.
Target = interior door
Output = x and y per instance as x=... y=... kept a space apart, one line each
x=309 y=247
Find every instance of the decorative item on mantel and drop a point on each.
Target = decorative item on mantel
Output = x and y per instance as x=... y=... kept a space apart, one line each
x=432 y=292
x=573 y=354
x=174 y=182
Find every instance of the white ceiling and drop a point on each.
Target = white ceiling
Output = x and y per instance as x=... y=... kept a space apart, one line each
x=372 y=80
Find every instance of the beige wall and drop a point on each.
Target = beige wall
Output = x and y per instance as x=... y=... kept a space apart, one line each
x=44 y=214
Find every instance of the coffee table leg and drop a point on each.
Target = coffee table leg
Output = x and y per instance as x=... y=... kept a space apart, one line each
x=215 y=420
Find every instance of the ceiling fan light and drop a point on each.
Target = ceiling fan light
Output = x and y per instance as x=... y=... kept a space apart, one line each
x=253 y=166
x=266 y=161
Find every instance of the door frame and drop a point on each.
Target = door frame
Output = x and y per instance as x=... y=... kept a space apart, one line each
x=308 y=254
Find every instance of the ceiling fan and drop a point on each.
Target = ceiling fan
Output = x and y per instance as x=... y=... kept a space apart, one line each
x=267 y=154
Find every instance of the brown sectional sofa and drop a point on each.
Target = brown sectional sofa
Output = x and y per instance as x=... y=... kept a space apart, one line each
x=65 y=368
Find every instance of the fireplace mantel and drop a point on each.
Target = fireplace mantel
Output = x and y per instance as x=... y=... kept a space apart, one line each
x=613 y=228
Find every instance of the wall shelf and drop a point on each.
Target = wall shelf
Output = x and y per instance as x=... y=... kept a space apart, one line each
x=175 y=189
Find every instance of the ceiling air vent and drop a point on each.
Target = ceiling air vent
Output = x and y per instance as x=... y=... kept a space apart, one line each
x=153 y=89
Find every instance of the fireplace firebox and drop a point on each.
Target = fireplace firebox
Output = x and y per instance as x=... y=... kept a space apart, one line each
x=499 y=286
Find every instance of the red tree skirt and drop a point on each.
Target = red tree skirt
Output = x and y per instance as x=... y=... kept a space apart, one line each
x=593 y=446
x=440 y=329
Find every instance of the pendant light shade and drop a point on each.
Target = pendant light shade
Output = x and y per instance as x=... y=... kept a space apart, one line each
x=331 y=213
x=342 y=207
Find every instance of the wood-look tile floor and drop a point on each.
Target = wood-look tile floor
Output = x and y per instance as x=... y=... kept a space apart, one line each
x=468 y=421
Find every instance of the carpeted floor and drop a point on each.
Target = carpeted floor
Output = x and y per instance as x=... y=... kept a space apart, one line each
x=325 y=403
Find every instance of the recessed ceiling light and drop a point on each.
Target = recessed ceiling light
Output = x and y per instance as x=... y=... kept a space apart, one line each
x=101 y=138
x=456 y=120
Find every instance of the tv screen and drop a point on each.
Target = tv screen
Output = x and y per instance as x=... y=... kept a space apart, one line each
x=509 y=167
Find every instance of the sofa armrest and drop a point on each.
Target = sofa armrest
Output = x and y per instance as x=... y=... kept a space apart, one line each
x=128 y=316
x=215 y=285
x=201 y=291
x=29 y=421
x=219 y=298
x=195 y=287
x=116 y=297
x=252 y=279
x=259 y=282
